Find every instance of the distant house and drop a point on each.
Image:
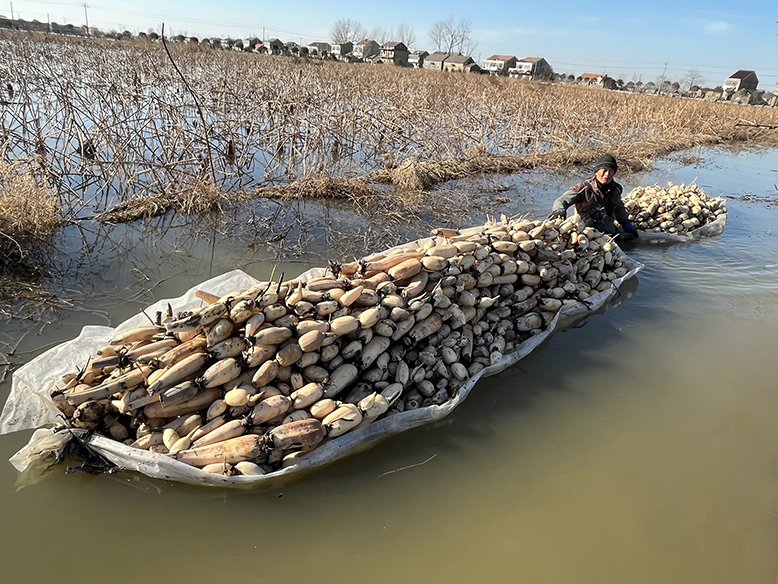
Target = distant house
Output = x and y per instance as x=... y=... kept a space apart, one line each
x=436 y=60
x=530 y=68
x=395 y=53
x=340 y=50
x=416 y=59
x=499 y=64
x=461 y=63
x=366 y=49
x=595 y=79
x=275 y=46
x=319 y=49
x=742 y=79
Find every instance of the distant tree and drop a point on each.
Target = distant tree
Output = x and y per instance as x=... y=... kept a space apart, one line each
x=450 y=36
x=346 y=30
x=126 y=35
x=650 y=85
x=381 y=34
x=238 y=44
x=179 y=38
x=406 y=35
x=153 y=36
x=304 y=51
x=692 y=77
x=194 y=40
x=570 y=78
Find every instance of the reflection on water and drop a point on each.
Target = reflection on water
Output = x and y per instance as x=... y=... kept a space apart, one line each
x=639 y=447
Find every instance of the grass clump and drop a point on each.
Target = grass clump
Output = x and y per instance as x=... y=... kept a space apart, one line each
x=29 y=213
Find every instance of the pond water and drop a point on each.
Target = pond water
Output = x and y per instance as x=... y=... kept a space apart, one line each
x=639 y=447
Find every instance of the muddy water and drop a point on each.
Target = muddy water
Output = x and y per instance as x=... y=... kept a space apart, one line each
x=640 y=447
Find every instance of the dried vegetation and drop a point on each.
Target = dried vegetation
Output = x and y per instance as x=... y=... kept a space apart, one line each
x=116 y=133
x=29 y=212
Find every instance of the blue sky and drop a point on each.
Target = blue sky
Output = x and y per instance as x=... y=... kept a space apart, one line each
x=624 y=39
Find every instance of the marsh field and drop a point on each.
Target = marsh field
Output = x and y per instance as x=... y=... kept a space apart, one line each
x=640 y=447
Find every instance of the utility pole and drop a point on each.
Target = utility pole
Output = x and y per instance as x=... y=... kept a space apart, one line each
x=48 y=19
x=86 y=18
x=12 y=15
x=662 y=78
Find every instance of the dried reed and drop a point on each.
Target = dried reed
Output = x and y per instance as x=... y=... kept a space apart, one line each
x=28 y=213
x=109 y=123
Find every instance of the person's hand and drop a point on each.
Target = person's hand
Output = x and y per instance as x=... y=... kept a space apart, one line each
x=557 y=214
x=631 y=231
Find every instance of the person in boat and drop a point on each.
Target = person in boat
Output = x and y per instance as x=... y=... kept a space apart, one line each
x=598 y=201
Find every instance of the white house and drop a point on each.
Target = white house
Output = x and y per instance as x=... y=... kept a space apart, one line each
x=366 y=49
x=530 y=68
x=499 y=64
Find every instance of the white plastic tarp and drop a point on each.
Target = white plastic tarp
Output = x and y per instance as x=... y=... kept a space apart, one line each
x=28 y=406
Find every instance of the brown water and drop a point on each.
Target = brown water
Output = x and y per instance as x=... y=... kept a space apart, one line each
x=641 y=447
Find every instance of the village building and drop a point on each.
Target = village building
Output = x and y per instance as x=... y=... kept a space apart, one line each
x=499 y=64
x=461 y=63
x=366 y=49
x=395 y=53
x=416 y=59
x=530 y=68
x=340 y=50
x=594 y=79
x=319 y=49
x=275 y=46
x=436 y=60
x=742 y=79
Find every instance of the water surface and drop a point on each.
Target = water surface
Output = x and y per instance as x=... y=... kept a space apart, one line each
x=640 y=447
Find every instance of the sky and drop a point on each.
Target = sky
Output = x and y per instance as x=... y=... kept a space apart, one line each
x=626 y=40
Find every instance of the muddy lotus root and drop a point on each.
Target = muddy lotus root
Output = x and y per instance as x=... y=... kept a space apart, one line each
x=255 y=379
x=674 y=209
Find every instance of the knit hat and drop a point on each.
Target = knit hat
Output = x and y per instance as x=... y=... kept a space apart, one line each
x=606 y=161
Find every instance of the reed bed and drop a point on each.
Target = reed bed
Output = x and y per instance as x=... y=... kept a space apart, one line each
x=105 y=123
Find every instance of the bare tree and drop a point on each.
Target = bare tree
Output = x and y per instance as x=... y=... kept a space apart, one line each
x=451 y=36
x=346 y=30
x=381 y=34
x=692 y=78
x=406 y=35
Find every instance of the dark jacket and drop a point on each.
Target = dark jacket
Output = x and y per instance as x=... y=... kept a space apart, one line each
x=595 y=201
